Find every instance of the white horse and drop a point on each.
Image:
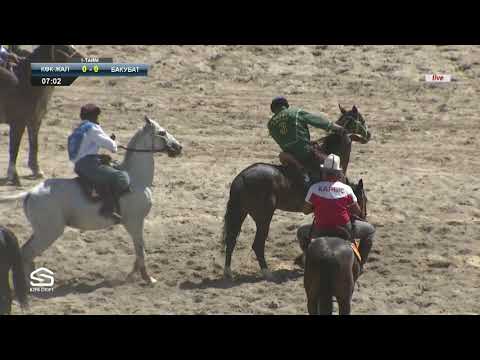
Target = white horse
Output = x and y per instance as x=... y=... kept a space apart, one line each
x=56 y=203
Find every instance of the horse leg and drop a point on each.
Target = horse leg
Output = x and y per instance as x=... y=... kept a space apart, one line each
x=135 y=229
x=344 y=297
x=33 y=128
x=263 y=226
x=312 y=300
x=5 y=292
x=16 y=132
x=231 y=236
x=344 y=305
x=311 y=283
x=45 y=231
x=345 y=284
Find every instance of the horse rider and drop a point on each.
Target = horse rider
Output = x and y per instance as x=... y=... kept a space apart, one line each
x=8 y=60
x=289 y=128
x=83 y=146
x=333 y=204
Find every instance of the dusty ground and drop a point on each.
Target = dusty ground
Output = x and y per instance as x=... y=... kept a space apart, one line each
x=421 y=171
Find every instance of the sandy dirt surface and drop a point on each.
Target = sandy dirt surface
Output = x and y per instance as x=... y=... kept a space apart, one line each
x=421 y=172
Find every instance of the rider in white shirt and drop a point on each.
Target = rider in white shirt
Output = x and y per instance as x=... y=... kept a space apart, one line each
x=94 y=139
x=83 y=147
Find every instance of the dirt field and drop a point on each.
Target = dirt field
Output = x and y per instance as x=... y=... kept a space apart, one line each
x=421 y=172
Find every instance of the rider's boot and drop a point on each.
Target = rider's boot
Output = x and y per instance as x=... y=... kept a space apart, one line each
x=108 y=208
x=116 y=203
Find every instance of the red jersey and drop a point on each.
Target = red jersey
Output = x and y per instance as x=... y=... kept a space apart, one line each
x=331 y=201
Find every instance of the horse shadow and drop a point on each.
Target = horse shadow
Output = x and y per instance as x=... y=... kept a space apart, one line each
x=279 y=277
x=72 y=287
x=5 y=182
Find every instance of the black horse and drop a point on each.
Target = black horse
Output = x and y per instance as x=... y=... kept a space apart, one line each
x=332 y=268
x=261 y=188
x=11 y=259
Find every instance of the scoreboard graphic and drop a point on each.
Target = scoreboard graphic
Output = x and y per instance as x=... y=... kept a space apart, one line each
x=64 y=74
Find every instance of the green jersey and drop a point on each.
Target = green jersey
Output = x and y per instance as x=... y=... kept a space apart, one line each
x=289 y=129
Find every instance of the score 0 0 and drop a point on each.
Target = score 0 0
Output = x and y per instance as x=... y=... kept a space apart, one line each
x=85 y=68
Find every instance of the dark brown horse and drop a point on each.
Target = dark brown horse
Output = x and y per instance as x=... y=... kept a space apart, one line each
x=260 y=189
x=332 y=268
x=11 y=259
x=25 y=105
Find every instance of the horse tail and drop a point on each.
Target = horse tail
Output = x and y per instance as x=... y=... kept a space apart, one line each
x=17 y=197
x=325 y=264
x=232 y=221
x=19 y=278
x=329 y=268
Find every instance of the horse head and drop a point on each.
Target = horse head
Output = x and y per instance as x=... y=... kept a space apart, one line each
x=355 y=124
x=359 y=191
x=161 y=139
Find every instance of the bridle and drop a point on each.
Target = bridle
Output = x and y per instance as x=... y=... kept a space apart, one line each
x=356 y=121
x=152 y=150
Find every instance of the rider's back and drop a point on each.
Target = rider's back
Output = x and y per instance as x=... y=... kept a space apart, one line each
x=288 y=129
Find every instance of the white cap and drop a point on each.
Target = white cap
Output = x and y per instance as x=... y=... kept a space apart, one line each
x=332 y=162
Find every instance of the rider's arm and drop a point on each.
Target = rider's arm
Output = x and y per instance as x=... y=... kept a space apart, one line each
x=102 y=139
x=354 y=209
x=317 y=121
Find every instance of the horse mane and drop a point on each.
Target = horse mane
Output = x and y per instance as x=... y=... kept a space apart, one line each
x=135 y=138
x=131 y=144
x=331 y=143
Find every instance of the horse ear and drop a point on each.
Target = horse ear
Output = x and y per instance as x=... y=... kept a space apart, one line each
x=147 y=120
x=342 y=109
x=360 y=184
x=354 y=109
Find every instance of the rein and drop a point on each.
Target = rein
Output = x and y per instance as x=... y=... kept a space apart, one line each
x=140 y=150
x=152 y=150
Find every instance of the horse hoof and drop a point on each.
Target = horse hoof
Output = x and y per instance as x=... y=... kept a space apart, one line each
x=300 y=261
x=152 y=281
x=38 y=175
x=267 y=275
x=14 y=181
x=227 y=274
